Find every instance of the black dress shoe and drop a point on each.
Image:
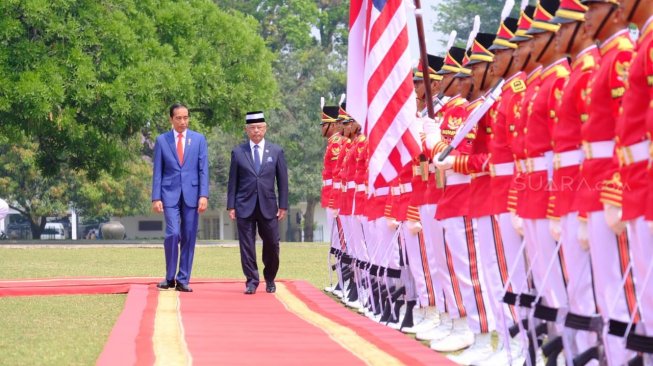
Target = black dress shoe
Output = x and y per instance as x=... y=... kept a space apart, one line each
x=165 y=284
x=183 y=288
x=250 y=290
x=270 y=287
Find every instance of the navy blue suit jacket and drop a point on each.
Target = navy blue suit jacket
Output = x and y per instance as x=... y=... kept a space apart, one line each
x=170 y=178
x=246 y=188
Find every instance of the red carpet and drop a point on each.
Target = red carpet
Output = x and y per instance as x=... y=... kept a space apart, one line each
x=218 y=324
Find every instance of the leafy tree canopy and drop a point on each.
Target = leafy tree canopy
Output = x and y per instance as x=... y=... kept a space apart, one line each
x=458 y=15
x=81 y=77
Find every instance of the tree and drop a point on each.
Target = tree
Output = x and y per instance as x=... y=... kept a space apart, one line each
x=82 y=77
x=37 y=196
x=458 y=14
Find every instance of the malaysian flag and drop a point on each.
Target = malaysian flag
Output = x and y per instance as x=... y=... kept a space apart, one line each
x=380 y=85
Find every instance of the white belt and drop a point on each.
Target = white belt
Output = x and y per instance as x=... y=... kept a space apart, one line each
x=351 y=184
x=567 y=158
x=383 y=191
x=336 y=185
x=635 y=153
x=326 y=183
x=406 y=188
x=501 y=170
x=457 y=178
x=538 y=164
x=361 y=188
x=599 y=149
x=396 y=191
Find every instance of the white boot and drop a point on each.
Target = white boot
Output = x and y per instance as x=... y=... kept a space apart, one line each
x=500 y=357
x=460 y=337
x=480 y=350
x=430 y=320
x=440 y=331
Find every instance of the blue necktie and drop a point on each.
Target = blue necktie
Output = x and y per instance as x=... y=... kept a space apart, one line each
x=257 y=160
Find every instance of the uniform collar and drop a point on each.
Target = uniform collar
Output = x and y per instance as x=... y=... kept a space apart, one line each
x=615 y=40
x=647 y=29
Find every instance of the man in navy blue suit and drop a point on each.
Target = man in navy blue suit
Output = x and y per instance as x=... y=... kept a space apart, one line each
x=256 y=166
x=180 y=189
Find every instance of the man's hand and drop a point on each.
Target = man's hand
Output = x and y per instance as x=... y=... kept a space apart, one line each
x=281 y=214
x=157 y=206
x=447 y=163
x=414 y=227
x=202 y=204
x=583 y=236
x=232 y=214
x=555 y=229
x=517 y=223
x=613 y=218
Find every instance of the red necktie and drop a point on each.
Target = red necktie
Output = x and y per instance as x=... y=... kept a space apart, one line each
x=180 y=148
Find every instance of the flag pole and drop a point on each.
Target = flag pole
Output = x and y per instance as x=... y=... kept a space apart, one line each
x=424 y=58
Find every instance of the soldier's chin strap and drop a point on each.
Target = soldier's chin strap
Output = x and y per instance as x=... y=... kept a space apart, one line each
x=605 y=21
x=444 y=92
x=505 y=73
x=632 y=11
x=487 y=68
x=469 y=94
x=573 y=36
x=548 y=44
x=526 y=62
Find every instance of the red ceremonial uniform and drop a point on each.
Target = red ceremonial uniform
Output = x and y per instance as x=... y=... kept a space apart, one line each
x=476 y=164
x=330 y=159
x=361 y=176
x=632 y=138
x=503 y=116
x=516 y=197
x=647 y=34
x=347 y=175
x=606 y=89
x=537 y=140
x=455 y=198
x=571 y=112
x=336 y=192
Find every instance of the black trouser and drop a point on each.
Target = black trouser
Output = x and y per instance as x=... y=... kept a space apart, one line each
x=268 y=229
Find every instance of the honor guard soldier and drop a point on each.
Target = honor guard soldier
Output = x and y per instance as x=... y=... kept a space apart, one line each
x=502 y=168
x=609 y=246
x=332 y=132
x=454 y=213
x=449 y=299
x=571 y=113
x=635 y=147
x=420 y=246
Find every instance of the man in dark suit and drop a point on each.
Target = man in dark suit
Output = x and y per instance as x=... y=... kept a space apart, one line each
x=251 y=200
x=180 y=189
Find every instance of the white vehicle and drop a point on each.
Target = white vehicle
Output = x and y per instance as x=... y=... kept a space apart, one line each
x=53 y=231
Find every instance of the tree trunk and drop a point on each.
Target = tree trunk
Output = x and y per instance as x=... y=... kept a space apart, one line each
x=309 y=217
x=37 y=224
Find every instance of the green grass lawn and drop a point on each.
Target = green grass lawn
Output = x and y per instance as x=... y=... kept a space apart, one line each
x=72 y=330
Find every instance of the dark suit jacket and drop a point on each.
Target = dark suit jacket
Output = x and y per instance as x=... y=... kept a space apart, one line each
x=170 y=178
x=246 y=188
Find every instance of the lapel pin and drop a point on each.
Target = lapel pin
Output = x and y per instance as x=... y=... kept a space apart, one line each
x=188 y=141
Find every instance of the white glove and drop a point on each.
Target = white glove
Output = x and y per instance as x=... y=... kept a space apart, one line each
x=392 y=224
x=583 y=236
x=613 y=216
x=432 y=132
x=517 y=223
x=650 y=226
x=555 y=229
x=447 y=163
x=414 y=227
x=333 y=212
